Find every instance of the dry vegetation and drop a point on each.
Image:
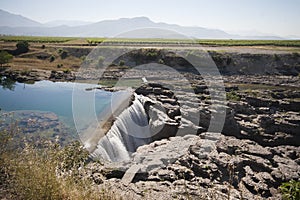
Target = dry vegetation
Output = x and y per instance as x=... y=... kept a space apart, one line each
x=45 y=172
x=41 y=57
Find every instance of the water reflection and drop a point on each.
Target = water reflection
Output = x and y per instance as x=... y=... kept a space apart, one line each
x=7 y=83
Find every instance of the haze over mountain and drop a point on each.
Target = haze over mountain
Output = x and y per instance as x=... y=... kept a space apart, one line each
x=12 y=20
x=11 y=24
x=66 y=23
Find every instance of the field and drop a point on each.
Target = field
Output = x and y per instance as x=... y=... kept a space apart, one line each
x=143 y=41
x=282 y=43
x=36 y=39
x=46 y=52
x=205 y=42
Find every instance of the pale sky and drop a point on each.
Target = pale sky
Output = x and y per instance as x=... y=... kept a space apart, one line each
x=276 y=17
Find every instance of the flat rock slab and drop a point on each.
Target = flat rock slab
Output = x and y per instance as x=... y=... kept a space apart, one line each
x=161 y=153
x=130 y=174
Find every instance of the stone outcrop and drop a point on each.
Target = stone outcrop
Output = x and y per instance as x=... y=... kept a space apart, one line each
x=228 y=63
x=196 y=167
x=24 y=76
x=250 y=64
x=257 y=150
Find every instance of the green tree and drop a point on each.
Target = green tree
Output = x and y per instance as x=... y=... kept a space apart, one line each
x=5 y=57
x=22 y=47
x=122 y=63
x=52 y=58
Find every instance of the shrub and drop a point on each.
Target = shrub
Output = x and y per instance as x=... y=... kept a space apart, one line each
x=72 y=157
x=67 y=71
x=121 y=63
x=232 y=95
x=36 y=173
x=33 y=175
x=22 y=47
x=25 y=72
x=52 y=58
x=60 y=51
x=161 y=61
x=59 y=65
x=290 y=190
x=5 y=57
x=151 y=54
x=42 y=171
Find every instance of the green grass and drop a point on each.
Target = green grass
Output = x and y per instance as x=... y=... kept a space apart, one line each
x=38 y=39
x=139 y=40
x=149 y=41
x=206 y=42
x=282 y=43
x=290 y=190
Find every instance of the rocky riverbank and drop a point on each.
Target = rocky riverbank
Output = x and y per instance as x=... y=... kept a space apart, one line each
x=228 y=62
x=33 y=75
x=255 y=153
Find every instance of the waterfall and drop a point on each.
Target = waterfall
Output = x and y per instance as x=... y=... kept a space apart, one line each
x=129 y=131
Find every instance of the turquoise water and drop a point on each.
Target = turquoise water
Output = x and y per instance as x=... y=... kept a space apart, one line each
x=49 y=96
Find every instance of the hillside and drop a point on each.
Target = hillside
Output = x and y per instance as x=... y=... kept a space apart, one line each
x=13 y=20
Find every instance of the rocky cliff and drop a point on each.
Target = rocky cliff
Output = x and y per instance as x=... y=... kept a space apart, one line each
x=227 y=63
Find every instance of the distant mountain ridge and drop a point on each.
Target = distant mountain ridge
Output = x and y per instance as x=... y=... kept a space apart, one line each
x=11 y=24
x=12 y=20
x=66 y=23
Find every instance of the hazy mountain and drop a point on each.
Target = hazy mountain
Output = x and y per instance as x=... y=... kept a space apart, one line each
x=12 y=20
x=254 y=35
x=66 y=23
x=293 y=37
x=267 y=37
x=17 y=25
x=112 y=28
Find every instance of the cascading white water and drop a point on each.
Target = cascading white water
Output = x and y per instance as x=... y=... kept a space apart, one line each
x=129 y=131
